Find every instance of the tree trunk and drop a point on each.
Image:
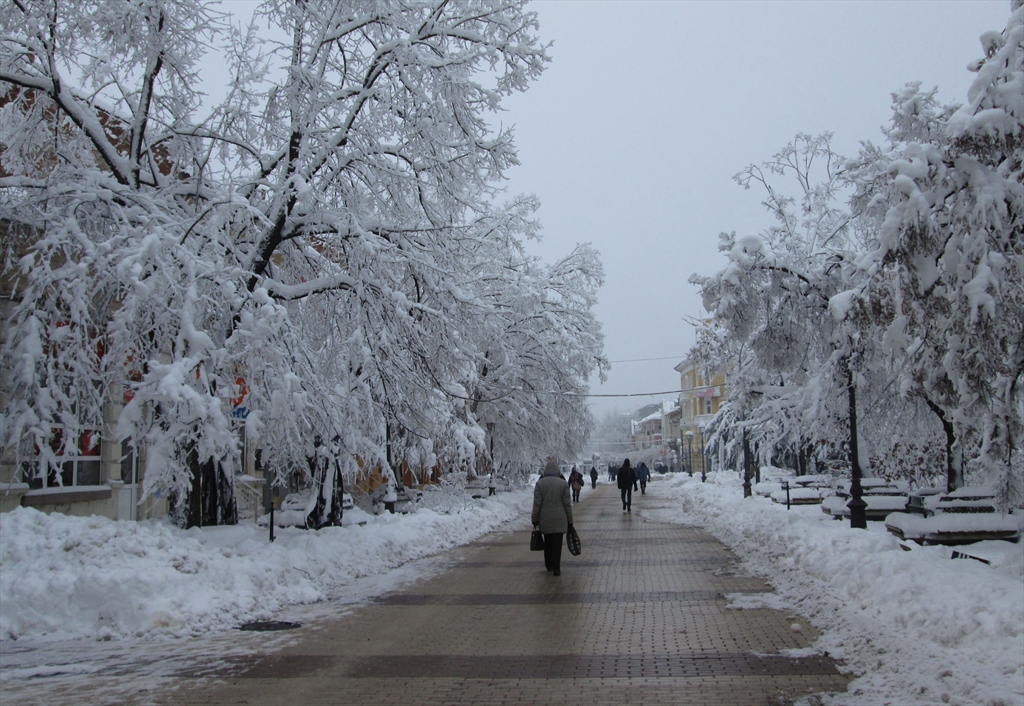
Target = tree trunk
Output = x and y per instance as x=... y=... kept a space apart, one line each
x=193 y=501
x=329 y=488
x=337 y=495
x=211 y=493
x=952 y=476
x=227 y=505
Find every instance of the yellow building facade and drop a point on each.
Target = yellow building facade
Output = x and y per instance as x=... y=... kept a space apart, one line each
x=699 y=402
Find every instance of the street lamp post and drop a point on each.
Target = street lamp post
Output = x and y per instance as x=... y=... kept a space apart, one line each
x=703 y=457
x=857 y=505
x=689 y=452
x=746 y=464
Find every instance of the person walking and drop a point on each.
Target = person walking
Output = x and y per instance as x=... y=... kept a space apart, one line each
x=552 y=514
x=593 y=477
x=627 y=484
x=576 y=483
x=643 y=474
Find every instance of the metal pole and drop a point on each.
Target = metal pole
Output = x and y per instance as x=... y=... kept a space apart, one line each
x=746 y=464
x=703 y=458
x=858 y=515
x=757 y=469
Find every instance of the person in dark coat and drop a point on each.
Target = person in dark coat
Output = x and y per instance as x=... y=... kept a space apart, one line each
x=593 y=477
x=552 y=514
x=576 y=483
x=627 y=484
x=642 y=475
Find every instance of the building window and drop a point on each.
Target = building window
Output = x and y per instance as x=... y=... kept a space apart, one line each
x=129 y=469
x=707 y=406
x=77 y=464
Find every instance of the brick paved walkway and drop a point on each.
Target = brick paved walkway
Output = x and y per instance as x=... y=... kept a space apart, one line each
x=640 y=618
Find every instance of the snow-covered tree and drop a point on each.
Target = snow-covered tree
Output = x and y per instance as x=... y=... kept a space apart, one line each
x=948 y=199
x=772 y=330
x=314 y=242
x=540 y=345
x=913 y=299
x=612 y=439
x=791 y=328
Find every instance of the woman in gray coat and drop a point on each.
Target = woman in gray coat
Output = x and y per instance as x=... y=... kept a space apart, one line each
x=552 y=514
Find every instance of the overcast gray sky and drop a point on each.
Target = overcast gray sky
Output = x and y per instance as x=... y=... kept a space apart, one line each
x=649 y=107
x=633 y=134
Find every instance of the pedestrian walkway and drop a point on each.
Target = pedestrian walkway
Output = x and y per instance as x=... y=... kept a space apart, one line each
x=640 y=617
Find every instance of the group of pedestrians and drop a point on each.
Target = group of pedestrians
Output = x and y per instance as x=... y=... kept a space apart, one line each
x=577 y=480
x=553 y=497
x=629 y=479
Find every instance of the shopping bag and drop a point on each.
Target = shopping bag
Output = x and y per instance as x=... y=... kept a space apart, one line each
x=536 y=541
x=573 y=541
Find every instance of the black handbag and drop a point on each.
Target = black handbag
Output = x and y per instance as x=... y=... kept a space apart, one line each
x=536 y=541
x=572 y=540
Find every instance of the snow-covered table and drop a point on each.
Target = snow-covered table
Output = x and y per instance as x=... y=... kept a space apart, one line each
x=956 y=527
x=878 y=506
x=798 y=496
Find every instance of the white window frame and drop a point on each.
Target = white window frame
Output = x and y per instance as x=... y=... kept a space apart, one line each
x=72 y=460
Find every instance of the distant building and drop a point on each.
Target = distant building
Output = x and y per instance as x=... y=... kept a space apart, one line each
x=699 y=402
x=646 y=433
x=670 y=419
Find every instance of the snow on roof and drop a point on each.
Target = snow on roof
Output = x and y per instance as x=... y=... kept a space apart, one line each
x=651 y=417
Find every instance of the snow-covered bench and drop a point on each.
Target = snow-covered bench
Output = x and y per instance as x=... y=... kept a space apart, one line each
x=878 y=506
x=798 y=496
x=963 y=516
x=923 y=501
x=881 y=496
x=766 y=488
x=955 y=528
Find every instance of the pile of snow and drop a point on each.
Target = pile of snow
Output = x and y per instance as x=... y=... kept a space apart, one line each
x=89 y=577
x=918 y=627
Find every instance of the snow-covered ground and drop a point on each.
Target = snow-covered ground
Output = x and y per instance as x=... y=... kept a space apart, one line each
x=64 y=578
x=920 y=627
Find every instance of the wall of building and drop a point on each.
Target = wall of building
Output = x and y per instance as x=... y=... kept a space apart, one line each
x=695 y=413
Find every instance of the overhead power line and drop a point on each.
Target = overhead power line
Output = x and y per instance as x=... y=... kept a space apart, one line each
x=591 y=394
x=644 y=360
